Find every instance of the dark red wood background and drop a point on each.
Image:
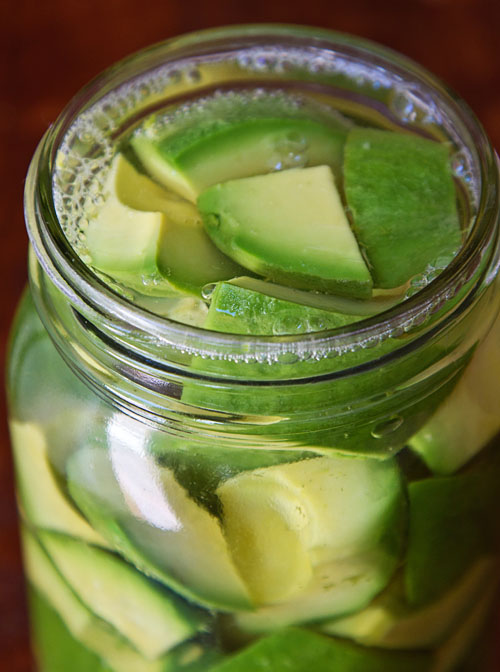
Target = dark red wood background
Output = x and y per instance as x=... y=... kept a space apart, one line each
x=50 y=48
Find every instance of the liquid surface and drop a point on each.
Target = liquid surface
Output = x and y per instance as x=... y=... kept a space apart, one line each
x=176 y=289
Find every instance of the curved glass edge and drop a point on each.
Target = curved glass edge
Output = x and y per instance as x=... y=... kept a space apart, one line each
x=143 y=331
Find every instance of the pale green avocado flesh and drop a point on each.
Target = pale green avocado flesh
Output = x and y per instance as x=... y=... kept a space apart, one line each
x=155 y=524
x=299 y=533
x=289 y=226
x=240 y=149
x=96 y=634
x=152 y=240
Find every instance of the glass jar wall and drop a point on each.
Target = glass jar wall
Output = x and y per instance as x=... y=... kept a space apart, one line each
x=193 y=500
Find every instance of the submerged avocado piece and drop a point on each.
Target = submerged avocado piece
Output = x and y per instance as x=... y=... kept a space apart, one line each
x=152 y=240
x=187 y=257
x=389 y=622
x=469 y=417
x=238 y=310
x=151 y=619
x=289 y=226
x=87 y=628
x=453 y=521
x=289 y=526
x=49 y=628
x=44 y=502
x=122 y=241
x=298 y=650
x=153 y=522
x=208 y=155
x=400 y=192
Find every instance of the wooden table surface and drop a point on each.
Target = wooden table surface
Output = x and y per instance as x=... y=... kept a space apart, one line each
x=50 y=48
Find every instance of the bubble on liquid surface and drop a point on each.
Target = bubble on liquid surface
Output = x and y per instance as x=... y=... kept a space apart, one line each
x=412 y=105
x=387 y=427
x=208 y=290
x=290 y=151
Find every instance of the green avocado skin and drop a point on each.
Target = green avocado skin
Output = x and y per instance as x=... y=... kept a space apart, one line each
x=400 y=192
x=299 y=650
x=237 y=310
x=453 y=522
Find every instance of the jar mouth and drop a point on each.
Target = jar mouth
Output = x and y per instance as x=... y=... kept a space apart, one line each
x=116 y=315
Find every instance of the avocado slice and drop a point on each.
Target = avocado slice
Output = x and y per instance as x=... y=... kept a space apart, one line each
x=153 y=522
x=187 y=257
x=381 y=300
x=207 y=155
x=389 y=622
x=400 y=192
x=201 y=466
x=453 y=522
x=234 y=309
x=145 y=615
x=43 y=501
x=94 y=633
x=121 y=241
x=150 y=239
x=289 y=226
x=299 y=650
x=299 y=532
x=194 y=656
x=469 y=418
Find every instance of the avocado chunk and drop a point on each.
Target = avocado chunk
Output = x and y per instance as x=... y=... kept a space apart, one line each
x=298 y=650
x=389 y=622
x=401 y=196
x=241 y=148
x=299 y=532
x=145 y=615
x=237 y=310
x=186 y=256
x=152 y=240
x=289 y=226
x=43 y=501
x=469 y=417
x=122 y=241
x=453 y=521
x=91 y=631
x=384 y=299
x=201 y=467
x=153 y=522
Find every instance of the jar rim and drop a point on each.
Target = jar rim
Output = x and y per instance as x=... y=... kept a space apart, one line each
x=99 y=303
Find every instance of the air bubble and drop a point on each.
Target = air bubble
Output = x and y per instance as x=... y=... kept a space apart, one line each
x=193 y=75
x=288 y=358
x=459 y=164
x=175 y=76
x=208 y=290
x=387 y=427
x=287 y=324
x=403 y=107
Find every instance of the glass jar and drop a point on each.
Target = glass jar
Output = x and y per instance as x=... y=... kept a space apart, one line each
x=192 y=500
